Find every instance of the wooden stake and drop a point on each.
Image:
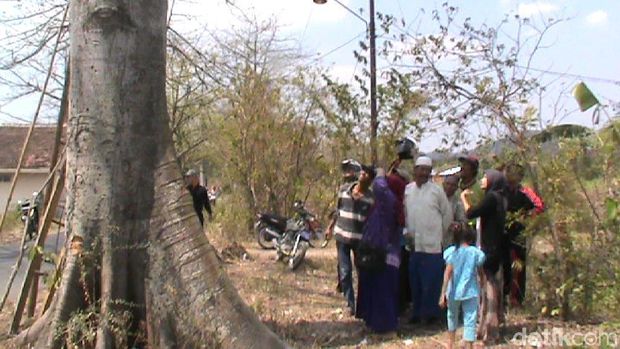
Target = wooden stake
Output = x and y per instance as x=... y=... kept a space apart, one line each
x=56 y=277
x=35 y=263
x=18 y=262
x=21 y=253
x=34 y=121
x=62 y=116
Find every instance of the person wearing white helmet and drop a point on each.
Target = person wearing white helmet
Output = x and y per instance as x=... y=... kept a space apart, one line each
x=427 y=218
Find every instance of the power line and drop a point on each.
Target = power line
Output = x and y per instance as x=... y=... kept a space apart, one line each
x=303 y=35
x=402 y=13
x=339 y=47
x=544 y=71
x=578 y=76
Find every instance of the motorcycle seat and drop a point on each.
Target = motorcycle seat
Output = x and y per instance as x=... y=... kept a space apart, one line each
x=274 y=220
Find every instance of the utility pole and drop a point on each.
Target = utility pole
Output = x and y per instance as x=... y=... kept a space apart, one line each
x=373 y=85
x=370 y=25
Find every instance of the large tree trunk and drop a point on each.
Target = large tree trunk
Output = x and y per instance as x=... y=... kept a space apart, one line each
x=138 y=258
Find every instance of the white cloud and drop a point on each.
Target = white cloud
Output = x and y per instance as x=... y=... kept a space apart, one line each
x=536 y=8
x=597 y=18
x=344 y=72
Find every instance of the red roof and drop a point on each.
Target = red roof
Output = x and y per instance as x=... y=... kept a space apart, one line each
x=39 y=149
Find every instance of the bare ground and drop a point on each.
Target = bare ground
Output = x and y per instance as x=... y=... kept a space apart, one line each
x=11 y=233
x=304 y=308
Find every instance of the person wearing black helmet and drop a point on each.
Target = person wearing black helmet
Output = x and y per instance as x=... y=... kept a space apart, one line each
x=350 y=170
x=200 y=195
x=354 y=203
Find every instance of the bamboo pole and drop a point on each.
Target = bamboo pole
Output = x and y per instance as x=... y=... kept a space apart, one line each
x=62 y=116
x=21 y=253
x=18 y=263
x=36 y=259
x=56 y=279
x=34 y=121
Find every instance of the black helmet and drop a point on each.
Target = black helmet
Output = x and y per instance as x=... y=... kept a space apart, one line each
x=350 y=165
x=405 y=148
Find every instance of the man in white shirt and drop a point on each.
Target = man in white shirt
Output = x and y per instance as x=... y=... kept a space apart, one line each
x=428 y=216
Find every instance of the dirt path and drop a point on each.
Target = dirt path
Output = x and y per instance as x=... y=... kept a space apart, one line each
x=304 y=308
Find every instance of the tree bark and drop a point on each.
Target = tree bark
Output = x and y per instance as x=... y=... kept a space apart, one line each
x=133 y=232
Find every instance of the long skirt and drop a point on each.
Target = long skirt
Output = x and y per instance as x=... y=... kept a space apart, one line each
x=377 y=299
x=491 y=313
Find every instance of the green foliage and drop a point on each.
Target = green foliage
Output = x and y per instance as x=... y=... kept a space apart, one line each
x=613 y=210
x=13 y=221
x=575 y=262
x=269 y=137
x=81 y=329
x=273 y=129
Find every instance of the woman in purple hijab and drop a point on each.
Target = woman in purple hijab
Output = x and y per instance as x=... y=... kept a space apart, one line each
x=377 y=300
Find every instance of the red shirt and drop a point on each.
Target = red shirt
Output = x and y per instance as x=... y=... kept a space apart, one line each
x=397 y=185
x=539 y=205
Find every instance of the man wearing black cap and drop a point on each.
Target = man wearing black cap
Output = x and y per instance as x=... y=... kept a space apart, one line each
x=520 y=206
x=469 y=171
x=471 y=194
x=200 y=195
x=354 y=203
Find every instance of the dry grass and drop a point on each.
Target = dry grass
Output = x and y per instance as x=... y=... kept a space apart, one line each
x=304 y=308
x=12 y=229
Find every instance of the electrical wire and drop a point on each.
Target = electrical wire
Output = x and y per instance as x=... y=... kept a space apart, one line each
x=339 y=47
x=544 y=71
x=578 y=76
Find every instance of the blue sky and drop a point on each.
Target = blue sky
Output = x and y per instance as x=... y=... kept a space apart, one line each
x=587 y=43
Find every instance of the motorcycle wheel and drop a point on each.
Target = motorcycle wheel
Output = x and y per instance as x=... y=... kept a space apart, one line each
x=318 y=239
x=295 y=261
x=265 y=240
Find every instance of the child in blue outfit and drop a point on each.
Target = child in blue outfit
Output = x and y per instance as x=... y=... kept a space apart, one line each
x=460 y=288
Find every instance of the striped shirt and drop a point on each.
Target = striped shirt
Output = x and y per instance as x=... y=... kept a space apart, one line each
x=352 y=214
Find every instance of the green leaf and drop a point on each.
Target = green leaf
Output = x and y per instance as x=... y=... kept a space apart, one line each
x=33 y=251
x=613 y=209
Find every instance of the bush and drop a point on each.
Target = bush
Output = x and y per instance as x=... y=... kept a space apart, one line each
x=575 y=260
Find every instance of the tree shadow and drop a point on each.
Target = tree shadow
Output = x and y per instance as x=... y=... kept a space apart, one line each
x=312 y=334
x=353 y=332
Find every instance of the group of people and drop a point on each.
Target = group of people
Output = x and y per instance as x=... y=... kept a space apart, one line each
x=459 y=247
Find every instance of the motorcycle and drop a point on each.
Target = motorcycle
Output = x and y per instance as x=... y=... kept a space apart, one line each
x=292 y=247
x=271 y=227
x=30 y=215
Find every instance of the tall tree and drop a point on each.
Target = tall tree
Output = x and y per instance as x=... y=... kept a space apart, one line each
x=138 y=258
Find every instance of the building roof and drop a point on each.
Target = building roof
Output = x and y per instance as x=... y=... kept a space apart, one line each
x=38 y=154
